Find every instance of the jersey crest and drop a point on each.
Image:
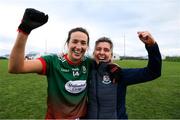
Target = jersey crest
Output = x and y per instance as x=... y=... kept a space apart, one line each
x=106 y=79
x=84 y=70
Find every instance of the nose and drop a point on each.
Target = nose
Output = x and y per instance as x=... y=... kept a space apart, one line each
x=102 y=51
x=78 y=45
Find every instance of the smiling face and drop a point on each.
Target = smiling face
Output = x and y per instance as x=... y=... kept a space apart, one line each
x=77 y=46
x=102 y=52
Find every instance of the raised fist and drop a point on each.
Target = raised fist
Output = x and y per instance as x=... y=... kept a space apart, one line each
x=146 y=38
x=32 y=19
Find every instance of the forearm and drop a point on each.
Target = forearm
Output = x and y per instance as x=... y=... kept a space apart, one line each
x=155 y=61
x=148 y=73
x=32 y=19
x=16 y=60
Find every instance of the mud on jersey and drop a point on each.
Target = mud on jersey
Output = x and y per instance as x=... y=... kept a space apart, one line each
x=66 y=86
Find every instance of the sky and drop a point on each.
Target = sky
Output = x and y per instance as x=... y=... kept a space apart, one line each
x=120 y=20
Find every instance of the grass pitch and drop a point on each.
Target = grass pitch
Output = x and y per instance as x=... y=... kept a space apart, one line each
x=24 y=96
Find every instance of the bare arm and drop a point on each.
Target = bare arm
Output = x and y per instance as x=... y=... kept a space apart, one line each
x=17 y=64
x=32 y=19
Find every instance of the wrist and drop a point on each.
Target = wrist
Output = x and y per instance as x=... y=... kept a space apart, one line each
x=23 y=36
x=24 y=28
x=22 y=32
x=151 y=43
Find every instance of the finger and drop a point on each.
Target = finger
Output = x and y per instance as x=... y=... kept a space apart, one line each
x=143 y=37
x=146 y=38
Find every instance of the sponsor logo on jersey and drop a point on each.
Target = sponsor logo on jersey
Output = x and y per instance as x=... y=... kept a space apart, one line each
x=106 y=79
x=64 y=70
x=75 y=86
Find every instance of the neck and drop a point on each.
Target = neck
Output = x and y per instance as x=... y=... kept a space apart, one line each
x=71 y=61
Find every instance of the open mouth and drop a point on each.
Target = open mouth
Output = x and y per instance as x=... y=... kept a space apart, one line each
x=77 y=52
x=101 y=58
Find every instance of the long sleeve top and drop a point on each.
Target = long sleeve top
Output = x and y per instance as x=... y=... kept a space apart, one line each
x=107 y=100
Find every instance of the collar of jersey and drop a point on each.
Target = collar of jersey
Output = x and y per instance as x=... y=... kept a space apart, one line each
x=71 y=62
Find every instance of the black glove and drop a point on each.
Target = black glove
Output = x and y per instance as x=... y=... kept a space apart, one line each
x=32 y=19
x=114 y=72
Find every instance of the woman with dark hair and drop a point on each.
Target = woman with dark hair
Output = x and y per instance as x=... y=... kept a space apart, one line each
x=66 y=74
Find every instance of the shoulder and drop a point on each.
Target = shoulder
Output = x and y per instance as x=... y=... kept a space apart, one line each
x=87 y=59
x=50 y=57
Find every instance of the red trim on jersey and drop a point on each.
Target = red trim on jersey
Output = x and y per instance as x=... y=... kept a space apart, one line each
x=43 y=65
x=71 y=62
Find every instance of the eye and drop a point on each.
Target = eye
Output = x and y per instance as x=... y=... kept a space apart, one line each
x=98 y=49
x=83 y=42
x=106 y=50
x=75 y=41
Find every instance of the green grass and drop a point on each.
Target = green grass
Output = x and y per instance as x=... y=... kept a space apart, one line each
x=24 y=96
x=158 y=99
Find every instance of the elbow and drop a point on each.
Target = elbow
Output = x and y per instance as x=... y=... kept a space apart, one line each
x=157 y=74
x=15 y=65
x=13 y=69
